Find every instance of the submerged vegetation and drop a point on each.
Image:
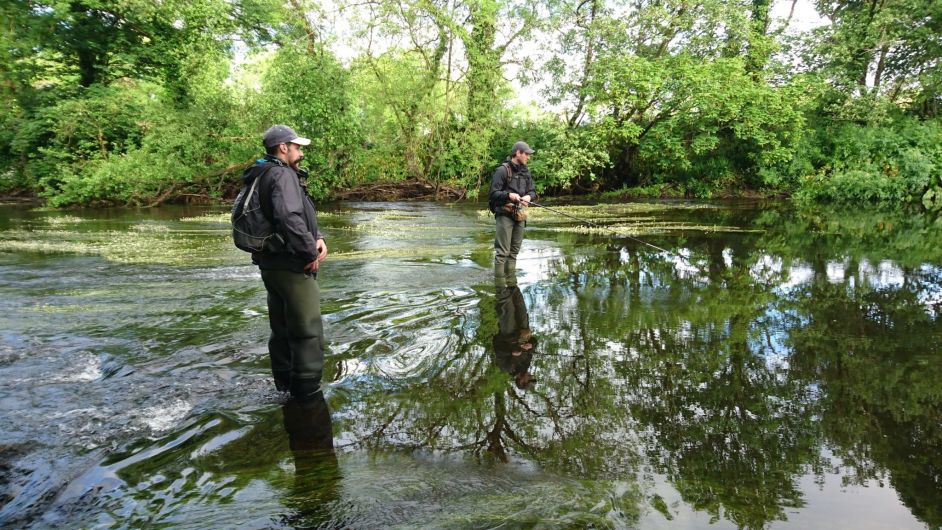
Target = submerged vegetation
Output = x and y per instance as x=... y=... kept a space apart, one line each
x=131 y=103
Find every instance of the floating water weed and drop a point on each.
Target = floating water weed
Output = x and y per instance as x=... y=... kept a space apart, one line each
x=648 y=229
x=602 y=211
x=385 y=230
x=224 y=217
x=207 y=218
x=50 y=247
x=149 y=227
x=410 y=252
x=397 y=216
x=62 y=220
x=140 y=244
x=627 y=219
x=69 y=308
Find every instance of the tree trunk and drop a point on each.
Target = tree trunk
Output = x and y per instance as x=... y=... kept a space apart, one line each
x=483 y=73
x=483 y=62
x=587 y=64
x=758 y=52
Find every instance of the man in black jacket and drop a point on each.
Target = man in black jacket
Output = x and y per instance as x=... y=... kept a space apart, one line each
x=511 y=187
x=289 y=268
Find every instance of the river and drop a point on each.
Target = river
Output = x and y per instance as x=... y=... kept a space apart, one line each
x=769 y=368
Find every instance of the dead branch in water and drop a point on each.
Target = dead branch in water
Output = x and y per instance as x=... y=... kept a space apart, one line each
x=405 y=190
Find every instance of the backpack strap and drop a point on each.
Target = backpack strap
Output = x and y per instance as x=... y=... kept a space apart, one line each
x=248 y=196
x=509 y=174
x=251 y=191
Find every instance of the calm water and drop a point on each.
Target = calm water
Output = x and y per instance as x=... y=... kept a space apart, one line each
x=781 y=370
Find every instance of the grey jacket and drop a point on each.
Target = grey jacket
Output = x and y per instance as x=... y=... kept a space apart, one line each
x=285 y=202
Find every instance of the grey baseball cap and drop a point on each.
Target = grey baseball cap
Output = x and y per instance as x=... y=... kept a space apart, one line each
x=282 y=134
x=521 y=146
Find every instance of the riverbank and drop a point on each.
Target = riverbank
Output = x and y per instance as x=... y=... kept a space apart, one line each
x=20 y=198
x=424 y=190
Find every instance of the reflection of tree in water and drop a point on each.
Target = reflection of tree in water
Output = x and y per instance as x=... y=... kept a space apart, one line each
x=866 y=334
x=873 y=352
x=721 y=421
x=735 y=416
x=456 y=407
x=471 y=404
x=731 y=374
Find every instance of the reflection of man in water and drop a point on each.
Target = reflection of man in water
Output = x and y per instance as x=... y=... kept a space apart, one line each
x=514 y=342
x=308 y=425
x=317 y=475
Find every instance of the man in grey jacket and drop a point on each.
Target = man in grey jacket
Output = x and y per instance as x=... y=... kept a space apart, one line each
x=289 y=268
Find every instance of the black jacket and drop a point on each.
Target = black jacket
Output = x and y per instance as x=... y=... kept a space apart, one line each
x=287 y=205
x=520 y=182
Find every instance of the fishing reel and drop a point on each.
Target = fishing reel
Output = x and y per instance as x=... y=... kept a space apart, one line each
x=521 y=212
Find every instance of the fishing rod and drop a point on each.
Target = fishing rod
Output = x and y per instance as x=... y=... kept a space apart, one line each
x=586 y=221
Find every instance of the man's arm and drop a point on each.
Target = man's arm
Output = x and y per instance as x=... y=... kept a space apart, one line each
x=287 y=201
x=531 y=191
x=497 y=194
x=319 y=236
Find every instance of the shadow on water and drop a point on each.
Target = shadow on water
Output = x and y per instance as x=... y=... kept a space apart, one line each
x=782 y=373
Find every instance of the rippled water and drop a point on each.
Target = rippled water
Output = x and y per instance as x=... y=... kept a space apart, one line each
x=774 y=369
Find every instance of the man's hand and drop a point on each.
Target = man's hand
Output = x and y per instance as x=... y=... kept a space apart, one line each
x=311 y=267
x=525 y=200
x=513 y=197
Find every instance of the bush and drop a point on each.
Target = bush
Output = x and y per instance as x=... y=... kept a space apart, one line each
x=309 y=92
x=895 y=162
x=177 y=151
x=564 y=158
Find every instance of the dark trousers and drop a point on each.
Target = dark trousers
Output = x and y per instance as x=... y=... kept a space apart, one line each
x=508 y=239
x=296 y=345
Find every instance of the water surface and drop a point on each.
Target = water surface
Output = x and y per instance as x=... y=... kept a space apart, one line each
x=772 y=369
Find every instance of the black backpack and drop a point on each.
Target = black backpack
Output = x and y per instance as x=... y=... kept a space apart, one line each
x=251 y=230
x=493 y=206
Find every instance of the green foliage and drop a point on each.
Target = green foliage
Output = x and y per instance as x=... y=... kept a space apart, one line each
x=932 y=198
x=565 y=156
x=139 y=103
x=309 y=91
x=896 y=162
x=881 y=49
x=704 y=125
x=725 y=130
x=407 y=119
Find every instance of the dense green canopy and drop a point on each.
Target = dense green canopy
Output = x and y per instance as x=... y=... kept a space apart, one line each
x=134 y=102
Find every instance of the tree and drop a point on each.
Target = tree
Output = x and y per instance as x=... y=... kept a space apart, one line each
x=483 y=33
x=882 y=48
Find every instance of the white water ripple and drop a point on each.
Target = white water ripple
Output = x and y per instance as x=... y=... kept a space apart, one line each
x=164 y=417
x=87 y=367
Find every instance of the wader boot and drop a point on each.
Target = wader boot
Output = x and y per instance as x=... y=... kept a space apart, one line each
x=508 y=239
x=296 y=345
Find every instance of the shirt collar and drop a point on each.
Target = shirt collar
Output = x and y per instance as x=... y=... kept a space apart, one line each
x=275 y=160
